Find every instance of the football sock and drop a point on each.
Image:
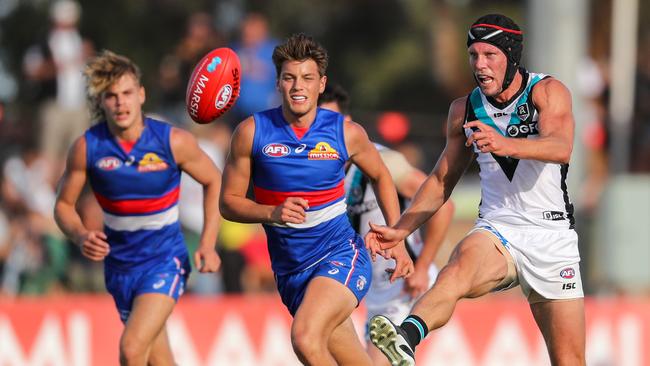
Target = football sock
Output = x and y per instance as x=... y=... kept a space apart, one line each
x=416 y=329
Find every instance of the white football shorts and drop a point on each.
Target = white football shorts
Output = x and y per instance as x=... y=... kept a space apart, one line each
x=547 y=262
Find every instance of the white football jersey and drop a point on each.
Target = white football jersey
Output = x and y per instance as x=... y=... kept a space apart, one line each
x=518 y=191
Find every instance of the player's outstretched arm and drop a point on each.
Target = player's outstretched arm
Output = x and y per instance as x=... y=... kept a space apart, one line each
x=555 y=126
x=92 y=243
x=195 y=162
x=437 y=187
x=234 y=204
x=435 y=230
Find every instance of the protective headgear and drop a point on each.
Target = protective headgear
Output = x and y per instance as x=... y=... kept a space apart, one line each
x=502 y=32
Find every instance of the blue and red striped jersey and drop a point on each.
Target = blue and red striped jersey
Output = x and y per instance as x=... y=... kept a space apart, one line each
x=311 y=167
x=138 y=192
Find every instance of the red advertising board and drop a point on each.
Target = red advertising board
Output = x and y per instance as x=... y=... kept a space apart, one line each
x=84 y=330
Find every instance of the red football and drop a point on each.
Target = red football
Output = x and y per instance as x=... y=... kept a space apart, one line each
x=214 y=85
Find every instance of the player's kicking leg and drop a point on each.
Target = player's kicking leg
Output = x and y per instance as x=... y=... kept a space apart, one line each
x=476 y=267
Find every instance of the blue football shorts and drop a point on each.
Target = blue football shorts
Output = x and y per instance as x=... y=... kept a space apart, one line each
x=167 y=278
x=348 y=264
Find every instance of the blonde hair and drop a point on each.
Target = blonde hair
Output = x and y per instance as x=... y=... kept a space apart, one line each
x=103 y=71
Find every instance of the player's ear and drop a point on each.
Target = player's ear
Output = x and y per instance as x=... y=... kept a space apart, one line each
x=323 y=82
x=142 y=96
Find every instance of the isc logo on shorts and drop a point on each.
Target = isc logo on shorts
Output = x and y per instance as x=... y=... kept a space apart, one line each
x=569 y=286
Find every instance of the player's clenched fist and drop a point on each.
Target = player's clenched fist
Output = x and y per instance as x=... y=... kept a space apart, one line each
x=93 y=245
x=206 y=259
x=292 y=210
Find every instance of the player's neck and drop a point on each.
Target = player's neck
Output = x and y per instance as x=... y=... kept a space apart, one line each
x=130 y=133
x=300 y=121
x=513 y=88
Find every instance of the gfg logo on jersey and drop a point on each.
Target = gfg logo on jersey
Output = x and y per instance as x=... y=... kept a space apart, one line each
x=568 y=273
x=276 y=150
x=523 y=130
x=109 y=163
x=223 y=96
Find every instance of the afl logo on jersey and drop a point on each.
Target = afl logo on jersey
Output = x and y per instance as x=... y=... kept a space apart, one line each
x=568 y=273
x=109 y=163
x=276 y=150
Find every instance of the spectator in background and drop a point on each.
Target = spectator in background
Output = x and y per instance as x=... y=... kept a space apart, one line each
x=55 y=70
x=592 y=87
x=255 y=49
x=35 y=254
x=5 y=245
x=175 y=69
x=640 y=152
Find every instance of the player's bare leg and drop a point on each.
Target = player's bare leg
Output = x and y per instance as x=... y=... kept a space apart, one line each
x=326 y=305
x=161 y=350
x=345 y=346
x=475 y=268
x=562 y=324
x=146 y=322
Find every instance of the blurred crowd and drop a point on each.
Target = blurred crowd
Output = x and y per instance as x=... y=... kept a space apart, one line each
x=35 y=258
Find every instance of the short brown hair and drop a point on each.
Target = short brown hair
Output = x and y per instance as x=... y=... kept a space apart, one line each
x=300 y=47
x=101 y=72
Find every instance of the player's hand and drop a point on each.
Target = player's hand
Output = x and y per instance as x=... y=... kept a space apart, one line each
x=487 y=139
x=381 y=237
x=93 y=245
x=417 y=283
x=292 y=210
x=206 y=259
x=403 y=263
